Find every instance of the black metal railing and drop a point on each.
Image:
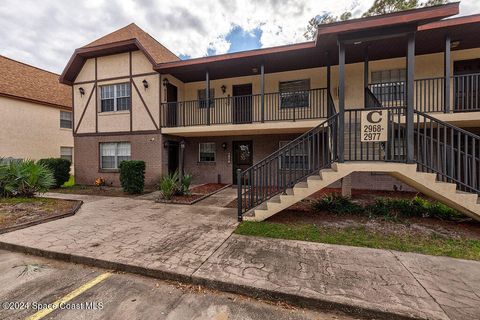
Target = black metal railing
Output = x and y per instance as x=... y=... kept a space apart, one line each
x=302 y=157
x=292 y=106
x=358 y=148
x=371 y=101
x=466 y=93
x=450 y=152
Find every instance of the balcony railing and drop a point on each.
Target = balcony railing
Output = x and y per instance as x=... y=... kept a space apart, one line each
x=285 y=106
x=429 y=94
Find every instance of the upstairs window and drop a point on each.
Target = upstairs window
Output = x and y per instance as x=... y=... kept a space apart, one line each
x=294 y=94
x=202 y=98
x=206 y=152
x=112 y=153
x=389 y=85
x=115 y=97
x=65 y=119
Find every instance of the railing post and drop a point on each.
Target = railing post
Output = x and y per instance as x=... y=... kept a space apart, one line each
x=447 y=75
x=365 y=77
x=262 y=85
x=341 y=102
x=207 y=95
x=410 y=101
x=239 y=195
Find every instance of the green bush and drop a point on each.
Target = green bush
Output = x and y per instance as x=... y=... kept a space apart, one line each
x=336 y=204
x=168 y=185
x=132 y=176
x=60 y=169
x=184 y=185
x=23 y=178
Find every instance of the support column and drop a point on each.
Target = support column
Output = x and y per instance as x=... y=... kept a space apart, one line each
x=410 y=100
x=262 y=88
x=341 y=101
x=365 y=77
x=207 y=96
x=329 y=82
x=447 y=74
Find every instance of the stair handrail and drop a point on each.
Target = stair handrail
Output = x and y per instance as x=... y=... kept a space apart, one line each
x=370 y=96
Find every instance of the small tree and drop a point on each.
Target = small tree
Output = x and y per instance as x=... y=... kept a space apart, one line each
x=60 y=169
x=132 y=176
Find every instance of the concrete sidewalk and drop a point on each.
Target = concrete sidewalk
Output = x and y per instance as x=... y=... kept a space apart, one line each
x=196 y=244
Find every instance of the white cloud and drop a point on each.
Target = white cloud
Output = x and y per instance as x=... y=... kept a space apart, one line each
x=46 y=33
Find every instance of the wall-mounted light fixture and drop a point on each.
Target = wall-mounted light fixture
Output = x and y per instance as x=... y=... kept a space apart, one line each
x=145 y=83
x=454 y=44
x=182 y=144
x=224 y=89
x=165 y=82
x=224 y=146
x=81 y=90
x=255 y=70
x=166 y=144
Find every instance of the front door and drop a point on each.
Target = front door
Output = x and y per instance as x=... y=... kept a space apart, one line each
x=171 y=105
x=242 y=103
x=465 y=84
x=242 y=156
x=173 y=155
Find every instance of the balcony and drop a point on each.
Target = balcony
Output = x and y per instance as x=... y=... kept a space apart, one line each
x=296 y=111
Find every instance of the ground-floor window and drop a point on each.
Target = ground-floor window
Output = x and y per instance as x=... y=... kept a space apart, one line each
x=66 y=153
x=296 y=158
x=206 y=152
x=112 y=153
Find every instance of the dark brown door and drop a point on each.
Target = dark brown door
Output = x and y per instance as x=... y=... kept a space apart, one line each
x=466 y=84
x=172 y=97
x=242 y=103
x=242 y=156
x=173 y=154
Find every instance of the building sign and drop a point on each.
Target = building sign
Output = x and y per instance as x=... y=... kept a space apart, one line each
x=374 y=126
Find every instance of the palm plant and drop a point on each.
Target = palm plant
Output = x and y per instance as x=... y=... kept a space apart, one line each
x=24 y=178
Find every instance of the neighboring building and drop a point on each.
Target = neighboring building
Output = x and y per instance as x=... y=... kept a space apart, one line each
x=133 y=99
x=35 y=113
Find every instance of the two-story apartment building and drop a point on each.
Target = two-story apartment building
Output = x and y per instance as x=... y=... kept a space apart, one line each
x=36 y=113
x=268 y=119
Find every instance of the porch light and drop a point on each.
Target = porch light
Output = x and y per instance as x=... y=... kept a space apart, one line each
x=165 y=82
x=182 y=144
x=82 y=91
x=255 y=70
x=224 y=146
x=165 y=144
x=145 y=83
x=224 y=89
x=454 y=44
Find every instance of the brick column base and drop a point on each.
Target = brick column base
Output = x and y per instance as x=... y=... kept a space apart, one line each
x=347 y=186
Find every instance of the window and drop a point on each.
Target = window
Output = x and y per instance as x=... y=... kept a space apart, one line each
x=296 y=159
x=115 y=97
x=65 y=119
x=294 y=94
x=202 y=98
x=389 y=85
x=112 y=153
x=66 y=153
x=206 y=152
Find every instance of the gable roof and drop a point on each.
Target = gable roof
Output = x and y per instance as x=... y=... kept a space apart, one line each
x=25 y=82
x=128 y=38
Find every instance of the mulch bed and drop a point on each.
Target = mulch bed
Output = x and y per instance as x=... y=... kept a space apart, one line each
x=98 y=191
x=19 y=213
x=196 y=194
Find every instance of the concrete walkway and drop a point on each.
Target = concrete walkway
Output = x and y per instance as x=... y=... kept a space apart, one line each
x=196 y=244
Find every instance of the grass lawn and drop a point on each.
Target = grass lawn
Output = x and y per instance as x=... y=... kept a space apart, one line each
x=360 y=236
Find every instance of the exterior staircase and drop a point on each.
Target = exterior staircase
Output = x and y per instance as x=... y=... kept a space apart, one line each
x=425 y=182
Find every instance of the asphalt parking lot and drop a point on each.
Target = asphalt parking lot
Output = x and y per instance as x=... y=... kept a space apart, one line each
x=37 y=288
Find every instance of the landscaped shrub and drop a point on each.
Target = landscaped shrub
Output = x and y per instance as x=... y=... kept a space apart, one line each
x=336 y=204
x=23 y=178
x=184 y=187
x=168 y=185
x=60 y=169
x=132 y=176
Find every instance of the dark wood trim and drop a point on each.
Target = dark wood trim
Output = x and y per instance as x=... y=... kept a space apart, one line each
x=96 y=96
x=207 y=96
x=447 y=74
x=474 y=18
x=115 y=133
x=145 y=105
x=341 y=101
x=118 y=78
x=73 y=110
x=159 y=100
x=131 y=82
x=262 y=91
x=84 y=110
x=410 y=96
x=365 y=76
x=43 y=103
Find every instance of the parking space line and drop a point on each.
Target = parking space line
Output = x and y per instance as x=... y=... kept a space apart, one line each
x=42 y=313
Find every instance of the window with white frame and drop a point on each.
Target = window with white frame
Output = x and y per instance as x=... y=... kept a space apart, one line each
x=389 y=85
x=112 y=153
x=294 y=94
x=206 y=152
x=65 y=119
x=66 y=153
x=296 y=158
x=115 y=97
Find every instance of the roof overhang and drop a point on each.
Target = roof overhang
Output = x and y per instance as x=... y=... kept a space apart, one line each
x=77 y=60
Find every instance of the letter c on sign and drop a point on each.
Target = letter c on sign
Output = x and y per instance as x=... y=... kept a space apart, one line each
x=370 y=116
